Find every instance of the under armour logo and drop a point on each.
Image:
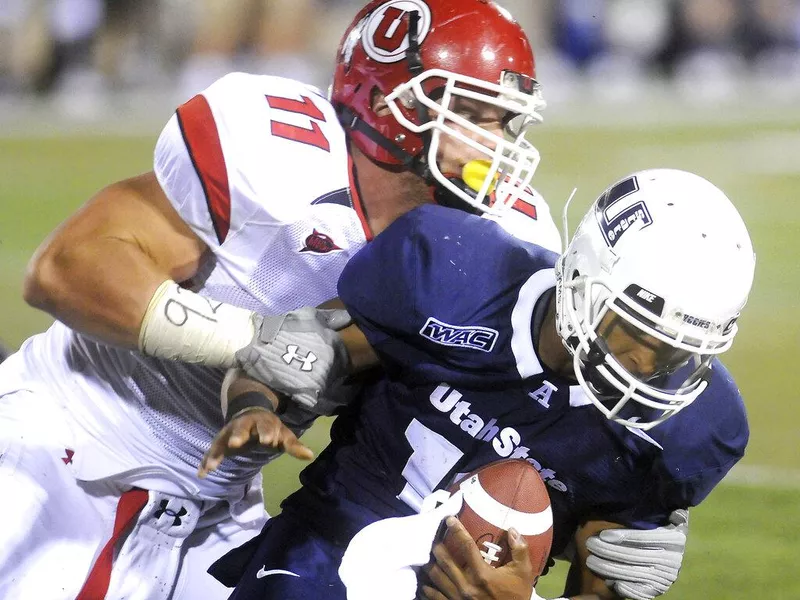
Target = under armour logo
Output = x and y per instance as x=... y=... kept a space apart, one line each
x=163 y=510
x=68 y=458
x=491 y=554
x=292 y=354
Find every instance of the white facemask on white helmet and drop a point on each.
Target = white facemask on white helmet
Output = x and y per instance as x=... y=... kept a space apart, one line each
x=668 y=254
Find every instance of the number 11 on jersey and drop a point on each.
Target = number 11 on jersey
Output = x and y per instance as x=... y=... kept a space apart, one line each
x=305 y=106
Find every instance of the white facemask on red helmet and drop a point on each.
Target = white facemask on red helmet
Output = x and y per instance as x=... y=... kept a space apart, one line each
x=423 y=56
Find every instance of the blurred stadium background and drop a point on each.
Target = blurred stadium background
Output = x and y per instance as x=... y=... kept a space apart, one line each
x=711 y=86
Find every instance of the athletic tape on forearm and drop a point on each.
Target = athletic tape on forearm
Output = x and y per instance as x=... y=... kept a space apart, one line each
x=182 y=325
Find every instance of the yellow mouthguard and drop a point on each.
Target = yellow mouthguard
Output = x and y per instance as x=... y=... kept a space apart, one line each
x=474 y=175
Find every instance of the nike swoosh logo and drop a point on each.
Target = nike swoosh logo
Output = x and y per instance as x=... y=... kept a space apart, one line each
x=262 y=572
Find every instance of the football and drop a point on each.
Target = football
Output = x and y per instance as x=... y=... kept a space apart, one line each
x=501 y=495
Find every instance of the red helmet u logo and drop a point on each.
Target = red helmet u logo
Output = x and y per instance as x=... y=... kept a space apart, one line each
x=391 y=31
x=386 y=32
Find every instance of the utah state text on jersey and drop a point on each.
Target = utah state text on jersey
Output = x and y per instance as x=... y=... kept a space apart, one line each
x=506 y=441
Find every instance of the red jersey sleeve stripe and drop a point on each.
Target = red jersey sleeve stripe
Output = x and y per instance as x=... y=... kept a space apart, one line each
x=202 y=140
x=525 y=208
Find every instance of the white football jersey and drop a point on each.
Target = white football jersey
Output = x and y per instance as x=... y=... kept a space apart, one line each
x=258 y=167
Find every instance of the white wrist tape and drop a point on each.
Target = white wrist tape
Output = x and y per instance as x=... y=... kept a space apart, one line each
x=182 y=325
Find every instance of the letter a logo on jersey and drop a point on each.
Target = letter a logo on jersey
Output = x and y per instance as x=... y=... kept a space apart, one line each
x=385 y=36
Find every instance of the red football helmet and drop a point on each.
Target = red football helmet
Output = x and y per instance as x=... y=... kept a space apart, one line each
x=422 y=55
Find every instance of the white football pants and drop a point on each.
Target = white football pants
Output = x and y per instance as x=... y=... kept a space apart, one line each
x=62 y=539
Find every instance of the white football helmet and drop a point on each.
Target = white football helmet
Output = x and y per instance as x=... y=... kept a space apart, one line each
x=667 y=253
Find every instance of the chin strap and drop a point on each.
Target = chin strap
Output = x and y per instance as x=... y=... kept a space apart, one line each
x=445 y=197
x=415 y=67
x=413 y=55
x=351 y=121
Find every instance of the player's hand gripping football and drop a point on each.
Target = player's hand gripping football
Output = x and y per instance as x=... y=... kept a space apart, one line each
x=254 y=429
x=444 y=579
x=640 y=564
x=297 y=354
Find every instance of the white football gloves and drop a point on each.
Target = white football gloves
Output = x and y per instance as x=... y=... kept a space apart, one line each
x=640 y=564
x=298 y=354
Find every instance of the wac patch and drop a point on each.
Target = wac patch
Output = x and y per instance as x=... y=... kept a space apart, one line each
x=469 y=336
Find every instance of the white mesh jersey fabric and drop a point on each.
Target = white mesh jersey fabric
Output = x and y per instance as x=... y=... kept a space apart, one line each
x=282 y=250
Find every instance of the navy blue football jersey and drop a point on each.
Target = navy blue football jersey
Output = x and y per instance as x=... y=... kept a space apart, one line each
x=453 y=306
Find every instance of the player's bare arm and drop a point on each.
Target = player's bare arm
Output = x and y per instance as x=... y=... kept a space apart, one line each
x=112 y=271
x=361 y=355
x=251 y=423
x=251 y=406
x=98 y=271
x=581 y=578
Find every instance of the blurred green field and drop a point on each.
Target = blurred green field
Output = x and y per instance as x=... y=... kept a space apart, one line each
x=743 y=541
